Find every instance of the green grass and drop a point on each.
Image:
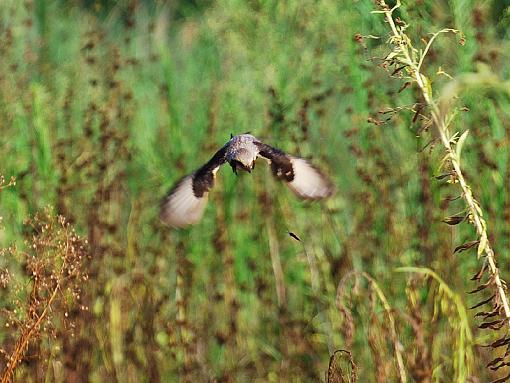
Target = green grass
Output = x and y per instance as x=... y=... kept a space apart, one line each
x=102 y=109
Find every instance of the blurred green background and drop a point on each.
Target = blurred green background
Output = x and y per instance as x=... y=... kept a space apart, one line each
x=105 y=104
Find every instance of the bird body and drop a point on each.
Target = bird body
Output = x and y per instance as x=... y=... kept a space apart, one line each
x=242 y=148
x=185 y=203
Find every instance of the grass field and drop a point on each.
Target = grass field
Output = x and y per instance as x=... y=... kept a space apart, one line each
x=104 y=105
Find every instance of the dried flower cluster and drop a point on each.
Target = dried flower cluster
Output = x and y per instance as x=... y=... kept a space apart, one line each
x=53 y=261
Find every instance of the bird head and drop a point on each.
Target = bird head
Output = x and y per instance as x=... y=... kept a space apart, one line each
x=243 y=159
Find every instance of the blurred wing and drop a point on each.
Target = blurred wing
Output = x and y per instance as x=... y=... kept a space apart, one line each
x=185 y=203
x=182 y=207
x=304 y=179
x=308 y=181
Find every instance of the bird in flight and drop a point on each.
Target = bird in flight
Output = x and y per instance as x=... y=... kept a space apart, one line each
x=185 y=203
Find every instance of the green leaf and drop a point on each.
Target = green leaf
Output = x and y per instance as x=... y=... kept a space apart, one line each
x=460 y=143
x=483 y=244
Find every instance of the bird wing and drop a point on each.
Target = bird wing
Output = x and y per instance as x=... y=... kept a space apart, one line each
x=185 y=203
x=304 y=179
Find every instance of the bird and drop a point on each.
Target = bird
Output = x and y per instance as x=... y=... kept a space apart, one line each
x=185 y=203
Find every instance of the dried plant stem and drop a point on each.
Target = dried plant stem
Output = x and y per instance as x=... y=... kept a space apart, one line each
x=396 y=343
x=463 y=353
x=274 y=252
x=181 y=317
x=480 y=226
x=441 y=119
x=22 y=344
x=388 y=310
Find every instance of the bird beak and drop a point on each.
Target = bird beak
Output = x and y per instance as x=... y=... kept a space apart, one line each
x=234 y=168
x=238 y=165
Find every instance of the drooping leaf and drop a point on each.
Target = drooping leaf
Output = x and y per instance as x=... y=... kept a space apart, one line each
x=442 y=176
x=487 y=314
x=397 y=70
x=406 y=85
x=494 y=362
x=502 y=380
x=454 y=219
x=500 y=342
x=480 y=288
x=479 y=274
x=483 y=302
x=417 y=113
x=465 y=246
x=494 y=325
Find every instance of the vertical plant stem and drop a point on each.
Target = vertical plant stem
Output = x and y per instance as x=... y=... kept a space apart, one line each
x=396 y=343
x=440 y=120
x=274 y=252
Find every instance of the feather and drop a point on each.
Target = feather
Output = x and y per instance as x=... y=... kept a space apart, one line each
x=309 y=182
x=181 y=207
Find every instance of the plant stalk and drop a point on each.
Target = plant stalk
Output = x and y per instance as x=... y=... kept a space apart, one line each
x=442 y=127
